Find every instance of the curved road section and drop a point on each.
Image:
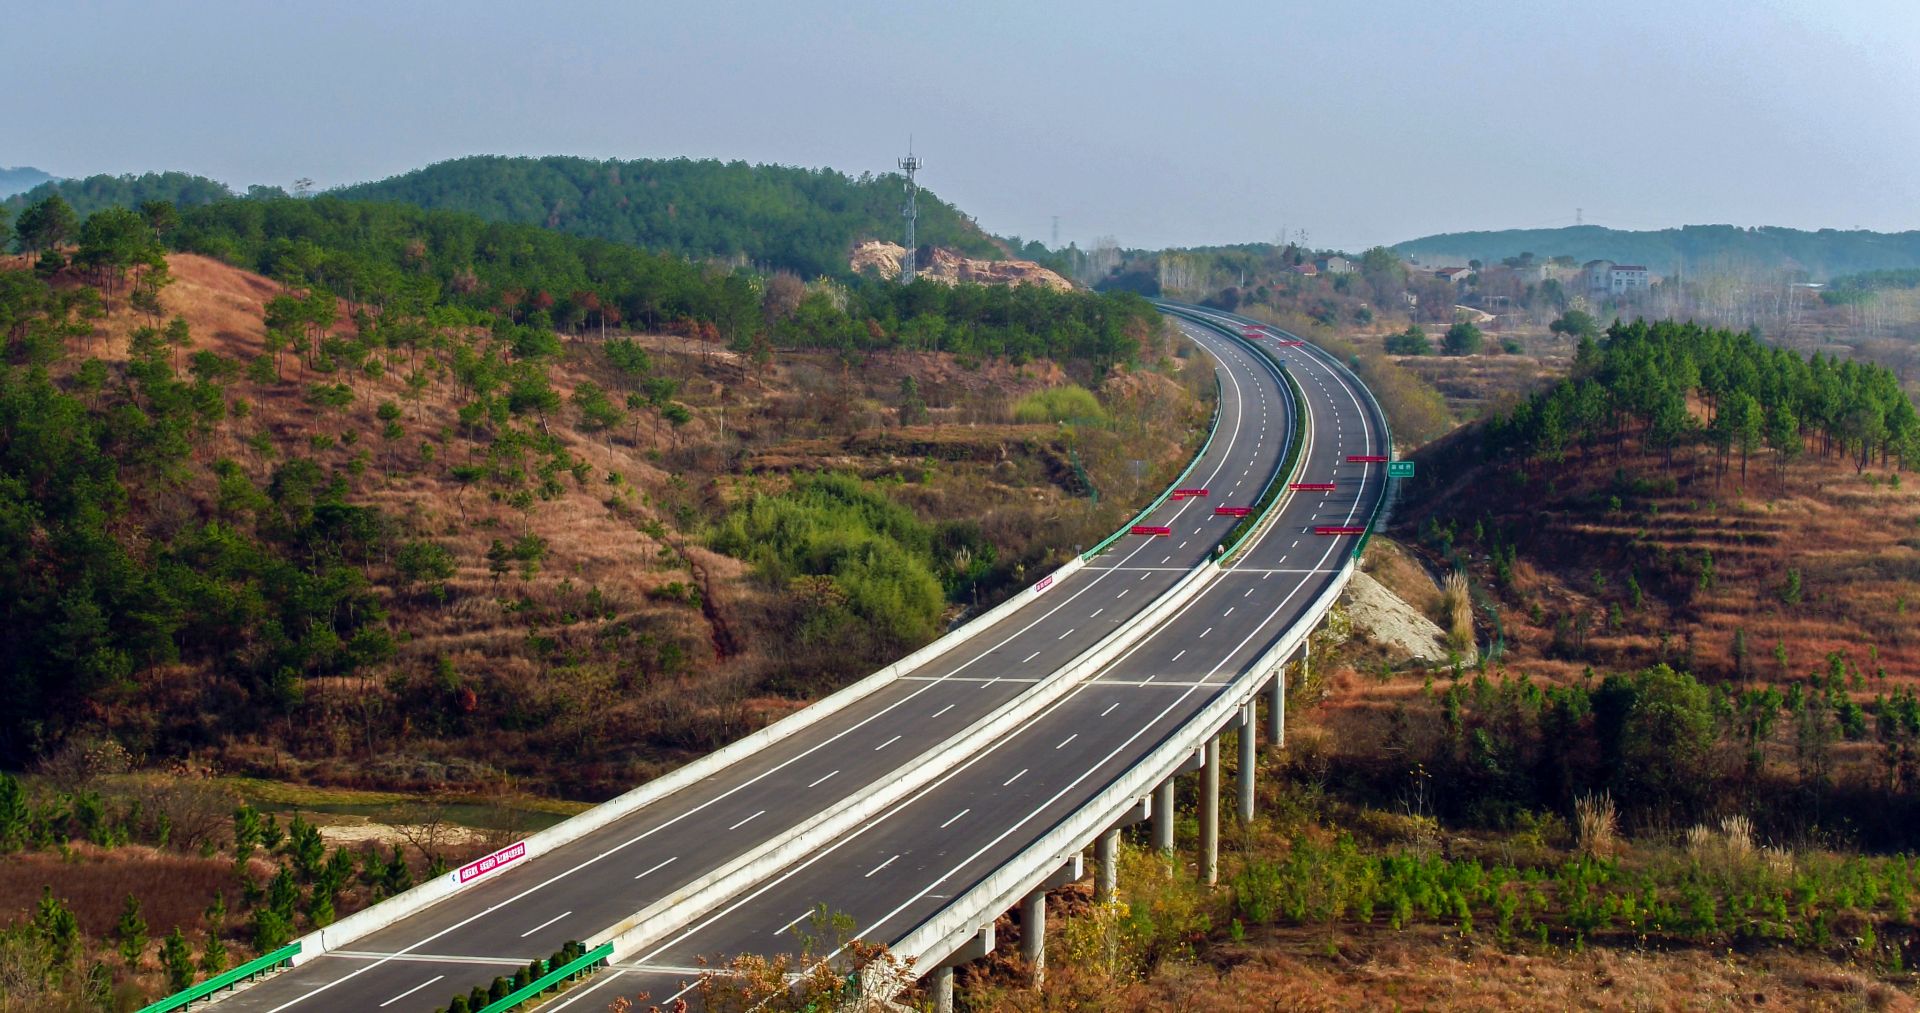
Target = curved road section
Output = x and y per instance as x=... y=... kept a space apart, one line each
x=903 y=868
x=580 y=889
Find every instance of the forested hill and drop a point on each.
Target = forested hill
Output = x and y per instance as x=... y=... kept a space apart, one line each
x=20 y=179
x=772 y=216
x=181 y=189
x=1693 y=248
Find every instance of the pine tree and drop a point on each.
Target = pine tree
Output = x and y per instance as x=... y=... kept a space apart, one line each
x=130 y=933
x=213 y=959
x=177 y=958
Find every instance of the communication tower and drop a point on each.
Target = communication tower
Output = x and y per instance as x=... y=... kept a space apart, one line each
x=911 y=213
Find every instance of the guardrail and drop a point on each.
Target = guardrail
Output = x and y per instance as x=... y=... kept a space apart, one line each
x=419 y=898
x=258 y=965
x=1213 y=427
x=590 y=960
x=656 y=920
x=950 y=927
x=1383 y=507
x=1274 y=494
x=653 y=922
x=953 y=925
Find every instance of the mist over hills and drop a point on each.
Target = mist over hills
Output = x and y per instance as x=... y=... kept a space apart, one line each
x=1822 y=255
x=20 y=179
x=778 y=217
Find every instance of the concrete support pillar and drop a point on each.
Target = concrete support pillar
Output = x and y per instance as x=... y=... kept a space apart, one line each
x=1277 y=709
x=1033 y=934
x=1163 y=816
x=1210 y=813
x=1106 y=879
x=943 y=990
x=1247 y=764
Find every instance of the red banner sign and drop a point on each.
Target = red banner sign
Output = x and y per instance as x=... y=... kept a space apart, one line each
x=1152 y=529
x=1366 y=459
x=479 y=867
x=1226 y=511
x=1339 y=531
x=1188 y=493
x=1045 y=582
x=1291 y=344
x=1312 y=486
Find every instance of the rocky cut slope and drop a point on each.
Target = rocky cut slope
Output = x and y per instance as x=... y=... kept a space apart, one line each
x=882 y=259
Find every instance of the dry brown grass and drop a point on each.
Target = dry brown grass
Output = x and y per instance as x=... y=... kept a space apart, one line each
x=173 y=888
x=1456 y=607
x=576 y=641
x=1434 y=970
x=1596 y=825
x=1393 y=566
x=1852 y=538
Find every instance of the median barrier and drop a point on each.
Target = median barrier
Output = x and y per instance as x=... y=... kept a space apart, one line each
x=410 y=902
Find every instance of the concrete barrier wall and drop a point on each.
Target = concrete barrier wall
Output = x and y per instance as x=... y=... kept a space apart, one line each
x=654 y=922
x=925 y=944
x=939 y=935
x=411 y=902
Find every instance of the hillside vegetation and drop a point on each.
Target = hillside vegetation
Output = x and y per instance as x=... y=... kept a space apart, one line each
x=472 y=511
x=769 y=216
x=400 y=491
x=1694 y=249
x=92 y=193
x=1682 y=773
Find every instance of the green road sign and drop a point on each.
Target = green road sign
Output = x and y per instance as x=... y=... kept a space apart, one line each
x=1399 y=469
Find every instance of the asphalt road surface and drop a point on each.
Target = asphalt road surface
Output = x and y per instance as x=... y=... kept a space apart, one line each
x=581 y=889
x=905 y=865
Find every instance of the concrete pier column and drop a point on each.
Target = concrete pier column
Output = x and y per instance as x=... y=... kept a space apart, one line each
x=1210 y=813
x=1106 y=879
x=1277 y=709
x=1247 y=764
x=943 y=990
x=1163 y=816
x=1033 y=934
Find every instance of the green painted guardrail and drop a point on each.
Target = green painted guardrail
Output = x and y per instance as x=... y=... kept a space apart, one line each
x=179 y=1000
x=592 y=958
x=1239 y=533
x=1213 y=427
x=1270 y=497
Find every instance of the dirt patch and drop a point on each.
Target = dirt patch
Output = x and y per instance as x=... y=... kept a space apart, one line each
x=1306 y=970
x=883 y=258
x=1389 y=621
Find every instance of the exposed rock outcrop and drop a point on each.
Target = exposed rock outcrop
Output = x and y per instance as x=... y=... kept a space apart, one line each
x=883 y=258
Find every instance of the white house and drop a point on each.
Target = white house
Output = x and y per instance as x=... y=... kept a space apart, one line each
x=1626 y=278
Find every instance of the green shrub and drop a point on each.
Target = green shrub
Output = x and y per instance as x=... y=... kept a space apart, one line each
x=1070 y=403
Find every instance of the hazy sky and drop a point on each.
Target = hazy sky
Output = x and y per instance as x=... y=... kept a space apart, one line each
x=1362 y=121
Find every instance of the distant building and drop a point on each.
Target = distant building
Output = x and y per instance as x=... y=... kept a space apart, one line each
x=1605 y=278
x=1453 y=275
x=1598 y=277
x=1335 y=265
x=1305 y=270
x=1626 y=278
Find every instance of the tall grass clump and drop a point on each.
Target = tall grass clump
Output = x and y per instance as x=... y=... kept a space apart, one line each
x=1457 y=606
x=1597 y=824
